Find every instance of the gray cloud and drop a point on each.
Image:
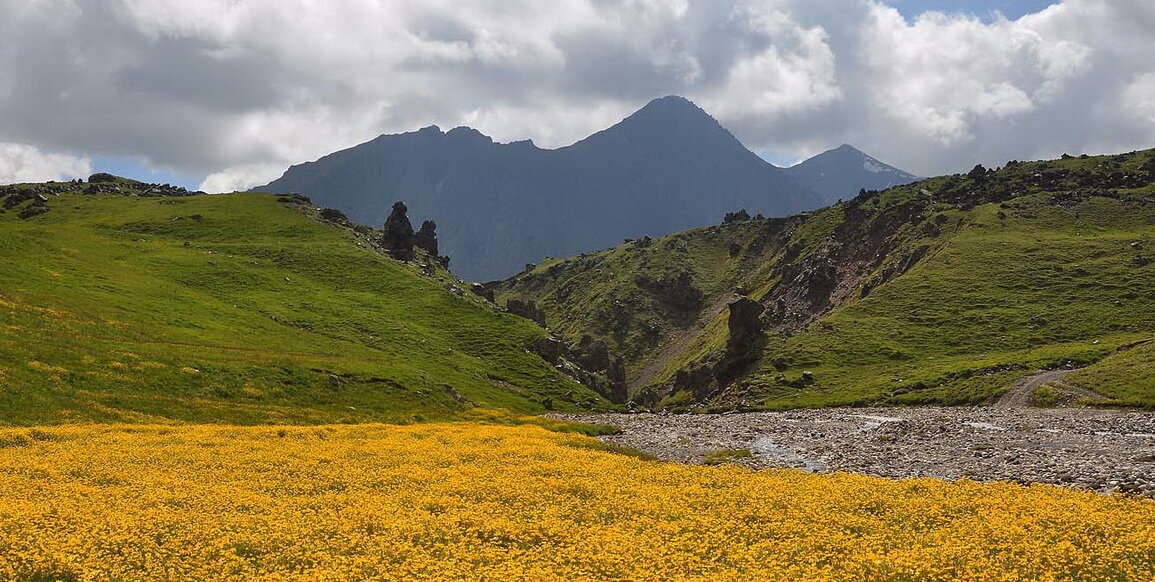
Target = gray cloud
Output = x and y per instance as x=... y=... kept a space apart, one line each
x=241 y=89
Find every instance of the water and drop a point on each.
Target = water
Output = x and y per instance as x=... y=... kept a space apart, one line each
x=771 y=452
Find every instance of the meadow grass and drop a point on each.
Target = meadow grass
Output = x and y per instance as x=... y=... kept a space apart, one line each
x=242 y=309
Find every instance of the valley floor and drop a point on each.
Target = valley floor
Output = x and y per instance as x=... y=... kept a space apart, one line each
x=1103 y=450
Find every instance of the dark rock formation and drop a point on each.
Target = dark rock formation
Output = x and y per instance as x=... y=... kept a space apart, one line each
x=32 y=211
x=334 y=215
x=101 y=177
x=745 y=324
x=616 y=373
x=592 y=354
x=698 y=379
x=526 y=309
x=398 y=236
x=740 y=216
x=426 y=237
x=745 y=341
x=676 y=291
x=550 y=349
x=483 y=290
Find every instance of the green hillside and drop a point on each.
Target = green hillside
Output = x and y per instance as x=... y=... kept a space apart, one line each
x=240 y=308
x=941 y=292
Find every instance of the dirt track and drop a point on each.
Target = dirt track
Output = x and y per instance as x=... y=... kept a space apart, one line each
x=1019 y=395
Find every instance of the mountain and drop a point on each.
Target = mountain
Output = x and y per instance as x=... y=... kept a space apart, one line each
x=667 y=167
x=118 y=304
x=839 y=174
x=944 y=291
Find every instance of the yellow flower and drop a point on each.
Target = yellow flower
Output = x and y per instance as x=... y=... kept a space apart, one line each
x=475 y=502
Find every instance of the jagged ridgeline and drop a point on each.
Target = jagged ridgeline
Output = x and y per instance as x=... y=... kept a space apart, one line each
x=942 y=291
x=123 y=301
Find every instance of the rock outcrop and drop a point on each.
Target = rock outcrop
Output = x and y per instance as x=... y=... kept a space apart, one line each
x=426 y=237
x=398 y=236
x=589 y=363
x=526 y=309
x=745 y=342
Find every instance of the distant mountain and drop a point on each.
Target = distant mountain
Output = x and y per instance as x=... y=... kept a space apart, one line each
x=667 y=167
x=841 y=172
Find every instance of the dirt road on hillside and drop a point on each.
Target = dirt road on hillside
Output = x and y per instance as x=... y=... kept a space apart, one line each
x=1019 y=395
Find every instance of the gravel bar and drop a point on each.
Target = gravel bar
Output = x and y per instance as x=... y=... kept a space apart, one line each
x=1102 y=450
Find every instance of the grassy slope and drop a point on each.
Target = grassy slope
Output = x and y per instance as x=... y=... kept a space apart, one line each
x=115 y=308
x=1020 y=274
x=599 y=293
x=1017 y=294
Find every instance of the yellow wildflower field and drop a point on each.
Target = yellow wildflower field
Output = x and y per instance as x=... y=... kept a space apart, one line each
x=475 y=502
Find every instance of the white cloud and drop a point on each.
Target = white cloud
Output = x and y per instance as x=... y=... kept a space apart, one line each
x=234 y=88
x=241 y=178
x=24 y=163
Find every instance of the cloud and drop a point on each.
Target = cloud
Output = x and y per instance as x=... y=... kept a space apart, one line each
x=237 y=90
x=24 y=163
x=241 y=178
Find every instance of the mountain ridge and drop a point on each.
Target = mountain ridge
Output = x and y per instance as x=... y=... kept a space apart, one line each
x=666 y=167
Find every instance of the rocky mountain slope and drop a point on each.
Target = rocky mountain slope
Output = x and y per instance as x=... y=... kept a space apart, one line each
x=122 y=301
x=668 y=167
x=941 y=291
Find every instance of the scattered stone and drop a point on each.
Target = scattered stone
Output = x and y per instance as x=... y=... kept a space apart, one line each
x=1103 y=450
x=453 y=393
x=32 y=211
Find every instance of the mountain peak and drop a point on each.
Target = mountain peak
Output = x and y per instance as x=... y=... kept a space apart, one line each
x=668 y=122
x=670 y=108
x=842 y=171
x=468 y=134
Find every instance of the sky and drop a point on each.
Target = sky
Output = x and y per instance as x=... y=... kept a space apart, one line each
x=226 y=94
